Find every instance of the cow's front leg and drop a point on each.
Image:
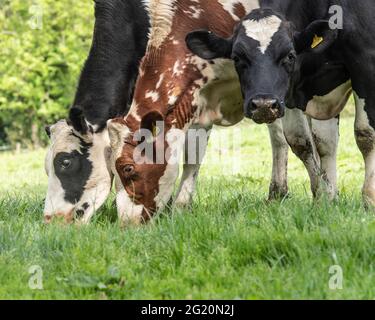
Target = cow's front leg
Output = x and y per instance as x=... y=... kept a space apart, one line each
x=326 y=137
x=298 y=134
x=279 y=181
x=365 y=137
x=195 y=149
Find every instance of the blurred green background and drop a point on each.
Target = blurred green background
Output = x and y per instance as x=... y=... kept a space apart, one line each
x=43 y=47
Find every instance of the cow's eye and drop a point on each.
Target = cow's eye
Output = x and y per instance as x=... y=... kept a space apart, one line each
x=289 y=61
x=291 y=57
x=240 y=63
x=128 y=171
x=66 y=163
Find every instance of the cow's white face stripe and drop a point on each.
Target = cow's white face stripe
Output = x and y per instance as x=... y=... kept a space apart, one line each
x=262 y=30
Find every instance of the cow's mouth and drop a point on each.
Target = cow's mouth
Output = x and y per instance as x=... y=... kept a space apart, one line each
x=60 y=217
x=266 y=115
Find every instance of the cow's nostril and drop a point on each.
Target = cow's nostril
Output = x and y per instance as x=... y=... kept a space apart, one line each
x=274 y=104
x=261 y=103
x=257 y=103
x=47 y=219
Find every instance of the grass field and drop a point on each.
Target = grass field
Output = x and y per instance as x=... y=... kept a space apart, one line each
x=232 y=245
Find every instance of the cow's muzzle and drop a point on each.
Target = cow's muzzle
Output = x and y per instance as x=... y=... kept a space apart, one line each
x=62 y=217
x=263 y=109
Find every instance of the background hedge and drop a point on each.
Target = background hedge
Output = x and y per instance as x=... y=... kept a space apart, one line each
x=43 y=45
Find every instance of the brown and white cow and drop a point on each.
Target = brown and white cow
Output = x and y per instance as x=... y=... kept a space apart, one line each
x=184 y=91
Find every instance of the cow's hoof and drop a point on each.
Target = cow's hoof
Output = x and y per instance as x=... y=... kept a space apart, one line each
x=277 y=193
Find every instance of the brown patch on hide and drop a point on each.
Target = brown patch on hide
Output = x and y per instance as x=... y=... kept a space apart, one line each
x=176 y=91
x=239 y=10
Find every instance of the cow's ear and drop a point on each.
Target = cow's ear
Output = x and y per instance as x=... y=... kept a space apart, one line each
x=151 y=136
x=150 y=121
x=153 y=123
x=208 y=45
x=77 y=120
x=317 y=37
x=117 y=131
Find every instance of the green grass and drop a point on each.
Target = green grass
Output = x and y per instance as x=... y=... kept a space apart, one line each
x=232 y=244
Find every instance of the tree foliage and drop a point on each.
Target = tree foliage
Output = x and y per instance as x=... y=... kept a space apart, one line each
x=43 y=46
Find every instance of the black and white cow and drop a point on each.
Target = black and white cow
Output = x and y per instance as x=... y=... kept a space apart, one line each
x=276 y=46
x=77 y=161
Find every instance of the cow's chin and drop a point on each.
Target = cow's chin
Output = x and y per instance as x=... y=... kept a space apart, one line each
x=266 y=115
x=128 y=211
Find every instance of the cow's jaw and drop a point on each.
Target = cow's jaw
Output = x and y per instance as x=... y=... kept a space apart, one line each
x=128 y=211
x=55 y=203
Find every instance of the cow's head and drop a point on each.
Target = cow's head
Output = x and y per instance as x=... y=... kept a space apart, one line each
x=264 y=48
x=145 y=162
x=78 y=169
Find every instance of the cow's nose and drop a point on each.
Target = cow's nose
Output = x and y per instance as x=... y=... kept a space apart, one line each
x=263 y=109
x=64 y=217
x=260 y=103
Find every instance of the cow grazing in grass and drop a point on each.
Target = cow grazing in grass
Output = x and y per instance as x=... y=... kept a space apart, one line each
x=77 y=162
x=183 y=91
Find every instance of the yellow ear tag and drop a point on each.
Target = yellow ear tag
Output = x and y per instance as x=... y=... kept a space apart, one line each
x=316 y=41
x=155 y=130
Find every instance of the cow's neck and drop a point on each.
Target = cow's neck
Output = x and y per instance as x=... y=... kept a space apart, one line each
x=165 y=85
x=105 y=90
